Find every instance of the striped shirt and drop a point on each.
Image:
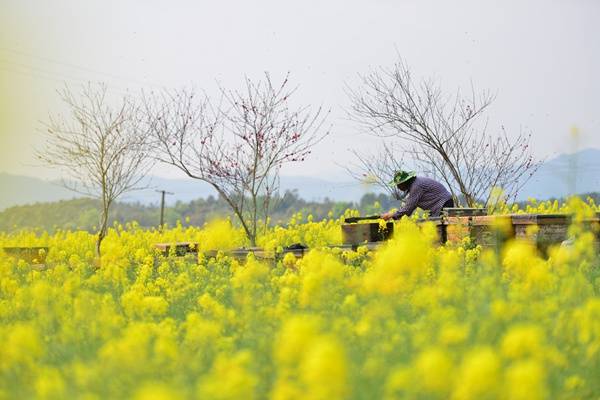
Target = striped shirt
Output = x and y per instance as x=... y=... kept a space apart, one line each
x=426 y=194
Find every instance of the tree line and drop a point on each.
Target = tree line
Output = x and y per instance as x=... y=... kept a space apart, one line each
x=84 y=213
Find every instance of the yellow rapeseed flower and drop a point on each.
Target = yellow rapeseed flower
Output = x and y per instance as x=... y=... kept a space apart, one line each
x=323 y=370
x=526 y=380
x=523 y=341
x=433 y=371
x=478 y=376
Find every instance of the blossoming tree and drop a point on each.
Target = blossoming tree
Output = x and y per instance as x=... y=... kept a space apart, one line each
x=239 y=145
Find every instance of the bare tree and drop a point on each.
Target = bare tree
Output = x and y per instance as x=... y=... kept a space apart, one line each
x=237 y=146
x=485 y=163
x=446 y=135
x=379 y=168
x=101 y=148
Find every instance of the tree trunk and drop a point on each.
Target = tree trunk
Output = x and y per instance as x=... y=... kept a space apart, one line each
x=99 y=240
x=102 y=231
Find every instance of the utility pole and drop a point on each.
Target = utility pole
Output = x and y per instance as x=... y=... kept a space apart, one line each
x=162 y=207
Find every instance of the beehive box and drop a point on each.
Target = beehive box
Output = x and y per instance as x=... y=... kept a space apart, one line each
x=457 y=228
x=178 y=249
x=358 y=233
x=32 y=255
x=491 y=230
x=484 y=230
x=542 y=229
x=259 y=253
x=545 y=230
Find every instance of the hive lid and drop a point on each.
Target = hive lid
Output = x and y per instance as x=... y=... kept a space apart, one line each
x=464 y=211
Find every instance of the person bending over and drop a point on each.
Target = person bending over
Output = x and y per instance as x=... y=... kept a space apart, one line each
x=424 y=193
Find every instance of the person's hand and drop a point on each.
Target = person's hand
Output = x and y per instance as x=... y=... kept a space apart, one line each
x=386 y=216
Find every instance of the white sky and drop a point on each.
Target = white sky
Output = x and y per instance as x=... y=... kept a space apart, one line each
x=540 y=57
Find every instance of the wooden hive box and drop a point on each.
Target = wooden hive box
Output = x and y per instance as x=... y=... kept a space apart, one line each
x=298 y=250
x=545 y=230
x=484 y=230
x=458 y=223
x=32 y=255
x=491 y=230
x=179 y=249
x=242 y=253
x=457 y=228
x=359 y=233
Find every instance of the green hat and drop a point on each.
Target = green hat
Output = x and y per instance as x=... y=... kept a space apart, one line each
x=402 y=176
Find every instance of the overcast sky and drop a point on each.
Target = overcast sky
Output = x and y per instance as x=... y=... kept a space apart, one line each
x=541 y=58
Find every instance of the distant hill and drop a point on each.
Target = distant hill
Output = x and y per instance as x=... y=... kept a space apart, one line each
x=308 y=188
x=18 y=190
x=568 y=173
x=557 y=177
x=21 y=190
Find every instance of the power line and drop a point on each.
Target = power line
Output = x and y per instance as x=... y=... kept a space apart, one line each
x=51 y=76
x=82 y=68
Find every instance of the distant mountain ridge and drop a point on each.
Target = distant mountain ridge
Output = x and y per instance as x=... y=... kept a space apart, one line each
x=557 y=177
x=567 y=173
x=20 y=190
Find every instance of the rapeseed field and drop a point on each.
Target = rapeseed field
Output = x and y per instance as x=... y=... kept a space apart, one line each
x=412 y=320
